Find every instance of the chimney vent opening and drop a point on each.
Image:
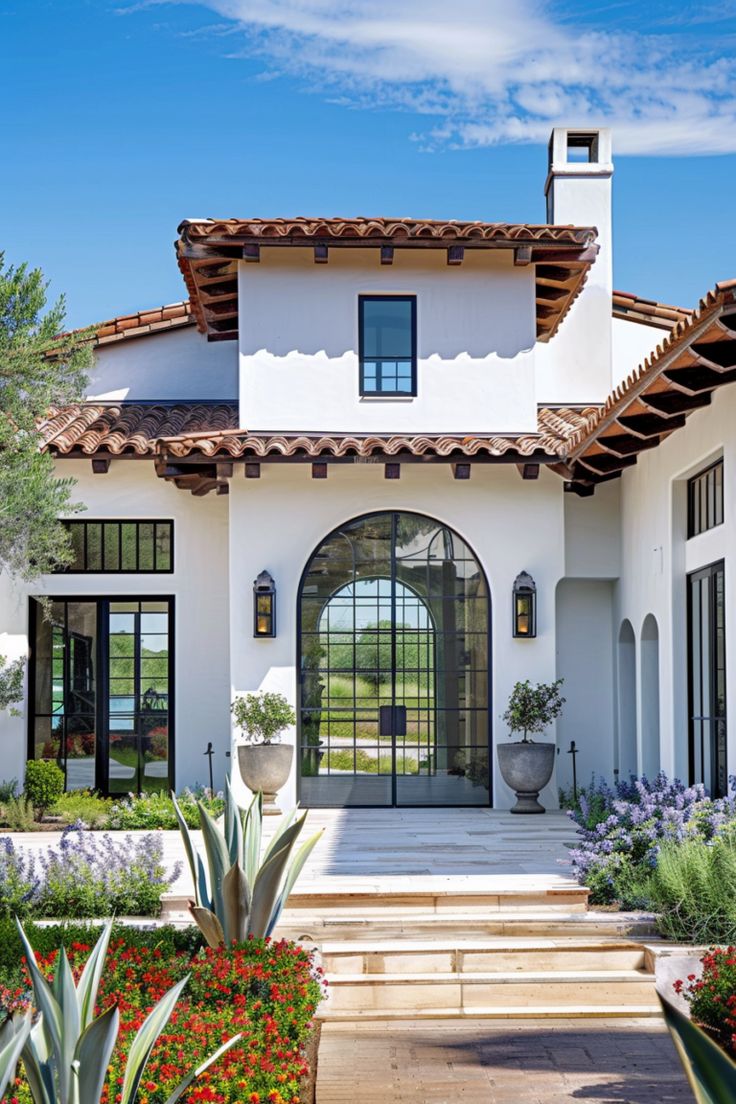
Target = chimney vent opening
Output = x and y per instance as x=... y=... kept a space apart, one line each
x=582 y=147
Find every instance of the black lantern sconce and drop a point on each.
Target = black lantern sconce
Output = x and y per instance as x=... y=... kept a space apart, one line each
x=525 y=606
x=264 y=606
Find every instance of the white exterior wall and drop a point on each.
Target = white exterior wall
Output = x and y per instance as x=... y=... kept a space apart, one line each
x=299 y=342
x=656 y=558
x=199 y=585
x=633 y=342
x=499 y=516
x=178 y=364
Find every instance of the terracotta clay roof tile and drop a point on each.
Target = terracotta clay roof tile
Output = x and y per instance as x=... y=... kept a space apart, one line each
x=554 y=426
x=648 y=311
x=129 y=429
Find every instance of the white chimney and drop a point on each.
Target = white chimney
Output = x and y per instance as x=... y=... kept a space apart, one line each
x=578 y=191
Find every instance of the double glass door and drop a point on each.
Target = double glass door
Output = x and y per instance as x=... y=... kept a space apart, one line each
x=100 y=688
x=394 y=667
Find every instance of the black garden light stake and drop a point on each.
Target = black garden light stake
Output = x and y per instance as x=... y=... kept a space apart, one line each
x=209 y=753
x=574 y=751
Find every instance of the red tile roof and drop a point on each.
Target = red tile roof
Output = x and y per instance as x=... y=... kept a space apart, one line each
x=649 y=311
x=129 y=429
x=209 y=251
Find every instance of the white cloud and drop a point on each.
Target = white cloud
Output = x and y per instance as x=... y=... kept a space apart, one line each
x=499 y=71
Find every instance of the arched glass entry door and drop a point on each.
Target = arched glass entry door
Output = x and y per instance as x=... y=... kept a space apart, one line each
x=393 y=647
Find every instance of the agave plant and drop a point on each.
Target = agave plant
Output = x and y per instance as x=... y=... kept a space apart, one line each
x=238 y=894
x=710 y=1071
x=67 y=1051
x=13 y=1036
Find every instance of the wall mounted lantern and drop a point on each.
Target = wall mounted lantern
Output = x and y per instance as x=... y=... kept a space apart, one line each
x=525 y=606
x=264 y=606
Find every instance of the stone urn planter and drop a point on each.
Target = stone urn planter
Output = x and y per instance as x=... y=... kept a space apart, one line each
x=264 y=762
x=265 y=767
x=527 y=768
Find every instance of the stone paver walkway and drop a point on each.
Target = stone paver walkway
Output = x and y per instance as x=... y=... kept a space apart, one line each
x=511 y=1062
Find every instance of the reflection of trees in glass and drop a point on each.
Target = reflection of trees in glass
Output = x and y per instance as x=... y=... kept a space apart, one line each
x=373 y=660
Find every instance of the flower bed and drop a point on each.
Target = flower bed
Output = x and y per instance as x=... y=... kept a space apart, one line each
x=623 y=830
x=86 y=875
x=267 y=990
x=148 y=811
x=712 y=997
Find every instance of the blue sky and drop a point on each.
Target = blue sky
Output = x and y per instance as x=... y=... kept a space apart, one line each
x=122 y=118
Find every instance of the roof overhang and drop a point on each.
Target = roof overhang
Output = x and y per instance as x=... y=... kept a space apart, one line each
x=697 y=357
x=210 y=250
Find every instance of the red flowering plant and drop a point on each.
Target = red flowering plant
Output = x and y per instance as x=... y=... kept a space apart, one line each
x=268 y=991
x=712 y=996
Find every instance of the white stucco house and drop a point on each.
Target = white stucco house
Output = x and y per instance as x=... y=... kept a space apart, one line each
x=389 y=421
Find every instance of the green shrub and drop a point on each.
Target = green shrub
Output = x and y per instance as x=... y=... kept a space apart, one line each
x=693 y=888
x=83 y=805
x=156 y=810
x=18 y=815
x=8 y=790
x=262 y=716
x=44 y=783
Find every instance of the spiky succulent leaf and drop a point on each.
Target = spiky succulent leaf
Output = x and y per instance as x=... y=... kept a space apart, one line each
x=252 y=838
x=266 y=888
x=281 y=827
x=89 y=982
x=66 y=995
x=236 y=899
x=295 y=869
x=196 y=866
x=193 y=1074
x=92 y=1055
x=45 y=1001
x=145 y=1040
x=218 y=858
x=711 y=1073
x=38 y=1069
x=233 y=825
x=209 y=925
x=13 y=1037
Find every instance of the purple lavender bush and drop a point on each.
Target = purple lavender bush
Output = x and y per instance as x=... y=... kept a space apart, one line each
x=87 y=875
x=620 y=840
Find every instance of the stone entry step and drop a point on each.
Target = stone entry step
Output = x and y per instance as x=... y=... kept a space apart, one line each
x=458 y=956
x=379 y=903
x=540 y=923
x=500 y=992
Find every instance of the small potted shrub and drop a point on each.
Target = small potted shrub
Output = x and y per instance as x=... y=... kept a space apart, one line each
x=527 y=766
x=264 y=762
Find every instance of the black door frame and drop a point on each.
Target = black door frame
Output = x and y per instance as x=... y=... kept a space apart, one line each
x=102 y=718
x=393 y=512
x=709 y=572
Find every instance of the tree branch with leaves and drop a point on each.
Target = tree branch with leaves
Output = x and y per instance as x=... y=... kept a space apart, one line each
x=40 y=368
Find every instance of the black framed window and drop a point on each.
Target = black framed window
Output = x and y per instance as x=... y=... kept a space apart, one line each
x=101 y=691
x=136 y=547
x=387 y=344
x=707 y=677
x=705 y=500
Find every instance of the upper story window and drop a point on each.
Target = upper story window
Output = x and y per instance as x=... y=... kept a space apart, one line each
x=119 y=547
x=705 y=499
x=388 y=344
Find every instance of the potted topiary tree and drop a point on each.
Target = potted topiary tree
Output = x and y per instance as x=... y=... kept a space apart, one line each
x=264 y=762
x=527 y=766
